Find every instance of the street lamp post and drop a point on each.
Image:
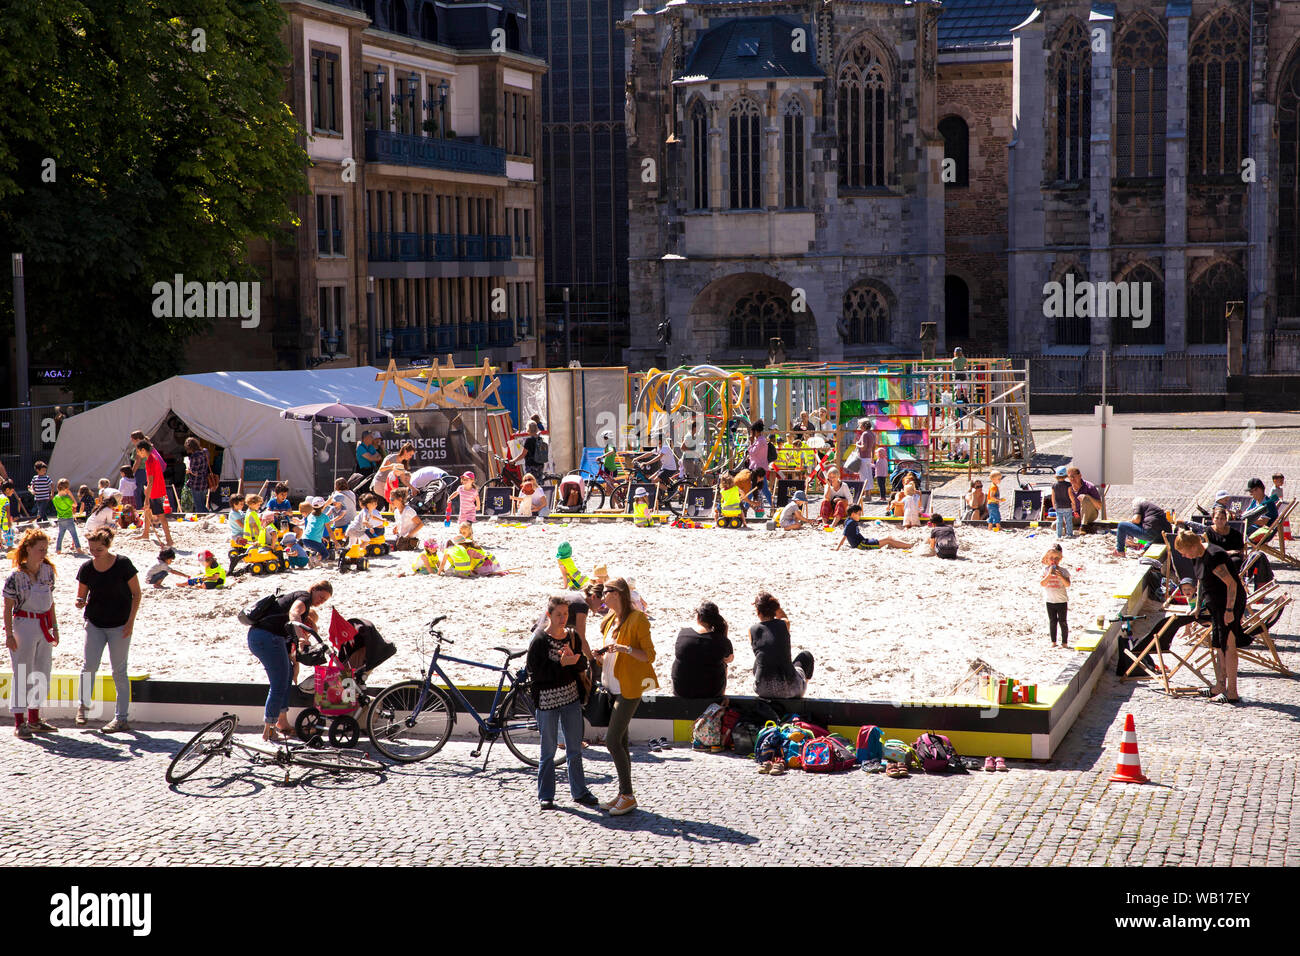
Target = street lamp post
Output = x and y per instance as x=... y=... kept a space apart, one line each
x=568 y=332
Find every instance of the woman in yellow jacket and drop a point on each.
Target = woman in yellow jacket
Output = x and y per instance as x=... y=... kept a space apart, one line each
x=627 y=671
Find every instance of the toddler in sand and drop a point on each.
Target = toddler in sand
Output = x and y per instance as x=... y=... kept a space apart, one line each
x=1055 y=583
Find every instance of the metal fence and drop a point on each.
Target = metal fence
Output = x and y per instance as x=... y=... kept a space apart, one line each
x=1169 y=374
x=28 y=434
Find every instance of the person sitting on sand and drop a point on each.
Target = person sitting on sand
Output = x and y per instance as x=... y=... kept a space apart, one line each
x=911 y=504
x=853 y=535
x=777 y=676
x=976 y=502
x=836 y=500
x=103 y=514
x=426 y=561
x=943 y=538
x=530 y=500
x=792 y=516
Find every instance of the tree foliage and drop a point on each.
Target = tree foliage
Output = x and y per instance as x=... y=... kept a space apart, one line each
x=171 y=149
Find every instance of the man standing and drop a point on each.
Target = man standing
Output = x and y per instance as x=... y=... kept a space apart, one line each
x=1085 y=499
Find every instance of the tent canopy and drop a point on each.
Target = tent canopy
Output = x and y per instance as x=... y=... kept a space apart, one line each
x=239 y=411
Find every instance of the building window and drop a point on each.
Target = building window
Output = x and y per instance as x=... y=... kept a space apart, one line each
x=956 y=147
x=397 y=16
x=1140 y=75
x=793 y=156
x=329 y=226
x=516 y=122
x=864 y=127
x=325 y=108
x=1073 y=329
x=1207 y=322
x=1144 y=287
x=699 y=156
x=429 y=23
x=333 y=320
x=1218 y=95
x=866 y=316
x=1072 y=70
x=956 y=308
x=758 y=317
x=1288 y=219
x=744 y=125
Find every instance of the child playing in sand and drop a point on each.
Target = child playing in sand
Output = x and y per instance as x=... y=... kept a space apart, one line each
x=279 y=505
x=6 y=521
x=85 y=500
x=406 y=523
x=995 y=500
x=314 y=528
x=570 y=576
x=976 y=501
x=468 y=497
x=367 y=524
x=853 y=535
x=101 y=516
x=158 y=573
x=235 y=521
x=65 y=509
x=641 y=509
x=126 y=483
x=426 y=562
x=211 y=575
x=911 y=505
x=638 y=602
x=253 y=522
x=1055 y=582
x=295 y=555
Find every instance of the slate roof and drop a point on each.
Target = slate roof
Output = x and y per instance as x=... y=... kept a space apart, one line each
x=751 y=48
x=980 y=24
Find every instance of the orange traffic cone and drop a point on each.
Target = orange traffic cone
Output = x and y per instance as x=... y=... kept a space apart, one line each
x=1129 y=768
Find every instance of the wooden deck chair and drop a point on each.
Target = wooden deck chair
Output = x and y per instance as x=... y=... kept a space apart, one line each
x=1273 y=543
x=1149 y=662
x=1262 y=607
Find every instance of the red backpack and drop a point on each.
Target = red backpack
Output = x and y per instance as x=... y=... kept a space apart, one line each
x=826 y=755
x=936 y=752
x=870 y=743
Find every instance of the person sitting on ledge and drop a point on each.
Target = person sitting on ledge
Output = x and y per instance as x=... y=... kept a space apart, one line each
x=777 y=676
x=702 y=655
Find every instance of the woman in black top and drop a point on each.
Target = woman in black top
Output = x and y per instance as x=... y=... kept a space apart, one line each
x=776 y=675
x=1226 y=599
x=271 y=640
x=108 y=589
x=703 y=653
x=555 y=666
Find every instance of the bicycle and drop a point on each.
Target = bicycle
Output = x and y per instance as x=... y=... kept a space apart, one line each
x=217 y=740
x=412 y=719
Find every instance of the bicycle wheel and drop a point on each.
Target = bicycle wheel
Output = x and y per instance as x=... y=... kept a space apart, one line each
x=339 y=761
x=397 y=734
x=201 y=748
x=596 y=496
x=520 y=732
x=618 y=497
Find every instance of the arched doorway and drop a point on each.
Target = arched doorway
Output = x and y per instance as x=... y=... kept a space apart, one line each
x=734 y=318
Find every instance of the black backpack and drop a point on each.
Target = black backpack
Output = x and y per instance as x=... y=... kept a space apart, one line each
x=252 y=615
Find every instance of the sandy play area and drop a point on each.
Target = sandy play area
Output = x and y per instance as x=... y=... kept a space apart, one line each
x=882 y=624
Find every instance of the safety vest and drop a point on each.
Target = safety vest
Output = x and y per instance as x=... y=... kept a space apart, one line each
x=642 y=512
x=252 y=525
x=4 y=513
x=425 y=564
x=217 y=574
x=574 y=578
x=269 y=537
x=731 y=500
x=479 y=557
x=461 y=562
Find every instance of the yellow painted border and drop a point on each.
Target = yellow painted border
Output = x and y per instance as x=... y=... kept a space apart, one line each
x=67 y=687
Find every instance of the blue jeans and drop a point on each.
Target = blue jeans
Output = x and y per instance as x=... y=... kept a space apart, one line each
x=97 y=639
x=44 y=508
x=270 y=649
x=995 y=514
x=141 y=482
x=1064 y=522
x=66 y=525
x=315 y=547
x=550 y=722
x=1127 y=529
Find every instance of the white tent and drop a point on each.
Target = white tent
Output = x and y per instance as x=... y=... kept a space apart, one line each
x=240 y=411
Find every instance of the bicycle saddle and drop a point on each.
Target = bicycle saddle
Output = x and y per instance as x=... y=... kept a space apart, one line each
x=511 y=655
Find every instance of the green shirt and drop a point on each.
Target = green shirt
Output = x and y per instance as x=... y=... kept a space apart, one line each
x=64 y=506
x=959 y=363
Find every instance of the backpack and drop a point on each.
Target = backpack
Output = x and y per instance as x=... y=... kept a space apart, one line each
x=254 y=613
x=743 y=737
x=769 y=743
x=810 y=728
x=730 y=718
x=869 y=743
x=895 y=751
x=826 y=755
x=793 y=752
x=936 y=752
x=708 y=727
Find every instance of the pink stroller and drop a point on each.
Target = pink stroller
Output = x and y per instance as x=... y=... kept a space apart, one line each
x=337 y=684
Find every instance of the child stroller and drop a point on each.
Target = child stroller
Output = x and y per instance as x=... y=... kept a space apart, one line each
x=431 y=499
x=337 y=685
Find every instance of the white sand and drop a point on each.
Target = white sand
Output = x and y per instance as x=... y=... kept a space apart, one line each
x=881 y=624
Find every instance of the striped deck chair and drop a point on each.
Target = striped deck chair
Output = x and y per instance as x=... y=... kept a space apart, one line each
x=1273 y=541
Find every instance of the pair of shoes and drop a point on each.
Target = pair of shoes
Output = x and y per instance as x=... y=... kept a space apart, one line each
x=23 y=732
x=1001 y=764
x=990 y=765
x=896 y=770
x=545 y=805
x=115 y=726
x=765 y=767
x=80 y=719
x=658 y=744
x=778 y=767
x=42 y=727
x=625 y=803
x=588 y=799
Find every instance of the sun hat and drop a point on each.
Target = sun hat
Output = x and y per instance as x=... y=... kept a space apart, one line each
x=109 y=493
x=289 y=537
x=1061 y=472
x=317 y=502
x=1220 y=495
x=565 y=550
x=800 y=496
x=205 y=555
x=460 y=539
x=429 y=544
x=1186 y=581
x=641 y=493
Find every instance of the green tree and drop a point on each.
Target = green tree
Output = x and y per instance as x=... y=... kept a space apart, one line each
x=171 y=150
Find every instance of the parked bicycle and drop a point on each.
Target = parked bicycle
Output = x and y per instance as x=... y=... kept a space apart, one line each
x=217 y=739
x=413 y=719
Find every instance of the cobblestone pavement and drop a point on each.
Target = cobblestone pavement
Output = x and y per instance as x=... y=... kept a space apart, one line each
x=1225 y=780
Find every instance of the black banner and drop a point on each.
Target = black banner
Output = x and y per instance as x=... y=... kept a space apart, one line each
x=454 y=440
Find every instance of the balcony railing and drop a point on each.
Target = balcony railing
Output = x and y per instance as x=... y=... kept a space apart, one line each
x=437 y=247
x=457 y=155
x=411 y=342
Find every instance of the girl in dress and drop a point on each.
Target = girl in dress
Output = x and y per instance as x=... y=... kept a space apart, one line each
x=469 y=498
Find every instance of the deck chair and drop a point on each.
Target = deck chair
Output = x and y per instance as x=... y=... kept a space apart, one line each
x=1027 y=506
x=1149 y=663
x=1263 y=609
x=1273 y=543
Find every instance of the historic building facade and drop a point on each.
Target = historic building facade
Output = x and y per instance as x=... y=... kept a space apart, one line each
x=421 y=234
x=836 y=172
